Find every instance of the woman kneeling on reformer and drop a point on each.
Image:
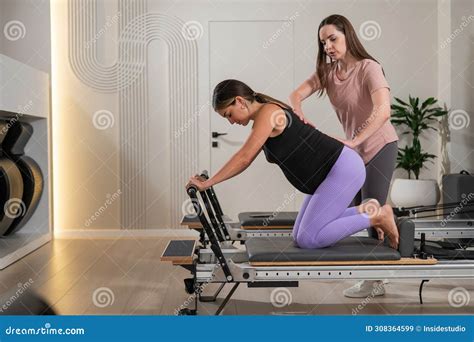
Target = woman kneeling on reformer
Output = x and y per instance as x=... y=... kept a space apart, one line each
x=313 y=162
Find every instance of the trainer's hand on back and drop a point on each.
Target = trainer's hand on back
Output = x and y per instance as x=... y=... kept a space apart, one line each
x=299 y=113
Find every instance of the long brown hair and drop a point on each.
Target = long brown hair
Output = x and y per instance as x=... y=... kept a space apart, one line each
x=354 y=46
x=226 y=91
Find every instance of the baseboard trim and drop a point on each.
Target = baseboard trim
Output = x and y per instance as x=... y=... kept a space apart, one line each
x=122 y=233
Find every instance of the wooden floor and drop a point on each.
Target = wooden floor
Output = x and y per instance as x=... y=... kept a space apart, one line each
x=71 y=275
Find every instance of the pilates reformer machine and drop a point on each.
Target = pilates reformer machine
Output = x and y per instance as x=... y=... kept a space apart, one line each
x=275 y=261
x=280 y=223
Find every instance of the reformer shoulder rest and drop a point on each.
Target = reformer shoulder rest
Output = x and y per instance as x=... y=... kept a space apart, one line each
x=259 y=220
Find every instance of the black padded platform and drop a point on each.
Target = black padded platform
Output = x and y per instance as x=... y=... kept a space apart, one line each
x=179 y=248
x=179 y=252
x=266 y=218
x=283 y=249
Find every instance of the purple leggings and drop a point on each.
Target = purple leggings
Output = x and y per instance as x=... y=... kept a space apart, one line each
x=325 y=218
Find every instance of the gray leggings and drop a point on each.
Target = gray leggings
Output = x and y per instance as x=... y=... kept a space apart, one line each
x=379 y=171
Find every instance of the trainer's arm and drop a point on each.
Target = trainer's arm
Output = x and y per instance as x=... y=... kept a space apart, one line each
x=306 y=89
x=380 y=114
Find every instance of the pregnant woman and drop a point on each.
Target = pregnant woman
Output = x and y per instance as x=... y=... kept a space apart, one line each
x=316 y=164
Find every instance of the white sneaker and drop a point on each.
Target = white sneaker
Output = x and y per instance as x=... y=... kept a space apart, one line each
x=365 y=288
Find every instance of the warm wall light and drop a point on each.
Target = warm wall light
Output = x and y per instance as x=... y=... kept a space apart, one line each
x=55 y=117
x=81 y=179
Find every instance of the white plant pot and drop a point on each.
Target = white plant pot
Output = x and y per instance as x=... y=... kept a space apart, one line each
x=414 y=192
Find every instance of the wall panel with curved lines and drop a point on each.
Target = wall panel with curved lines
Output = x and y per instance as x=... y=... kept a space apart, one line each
x=128 y=81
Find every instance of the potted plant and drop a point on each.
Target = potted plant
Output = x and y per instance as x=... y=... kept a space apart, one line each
x=415 y=118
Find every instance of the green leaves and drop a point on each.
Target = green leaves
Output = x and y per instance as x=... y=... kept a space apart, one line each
x=416 y=119
x=428 y=102
x=412 y=159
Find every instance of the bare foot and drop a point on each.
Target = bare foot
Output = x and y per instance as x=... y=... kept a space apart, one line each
x=372 y=208
x=386 y=221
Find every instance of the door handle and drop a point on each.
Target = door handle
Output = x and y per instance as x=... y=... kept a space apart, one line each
x=217 y=134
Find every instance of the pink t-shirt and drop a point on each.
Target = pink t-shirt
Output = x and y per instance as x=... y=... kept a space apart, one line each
x=351 y=99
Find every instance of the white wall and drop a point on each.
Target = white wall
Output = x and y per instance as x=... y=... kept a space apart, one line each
x=407 y=48
x=462 y=86
x=34 y=48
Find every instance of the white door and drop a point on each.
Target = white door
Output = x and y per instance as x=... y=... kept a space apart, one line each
x=259 y=53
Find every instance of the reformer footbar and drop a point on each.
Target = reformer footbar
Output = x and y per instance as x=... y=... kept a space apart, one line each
x=228 y=230
x=249 y=220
